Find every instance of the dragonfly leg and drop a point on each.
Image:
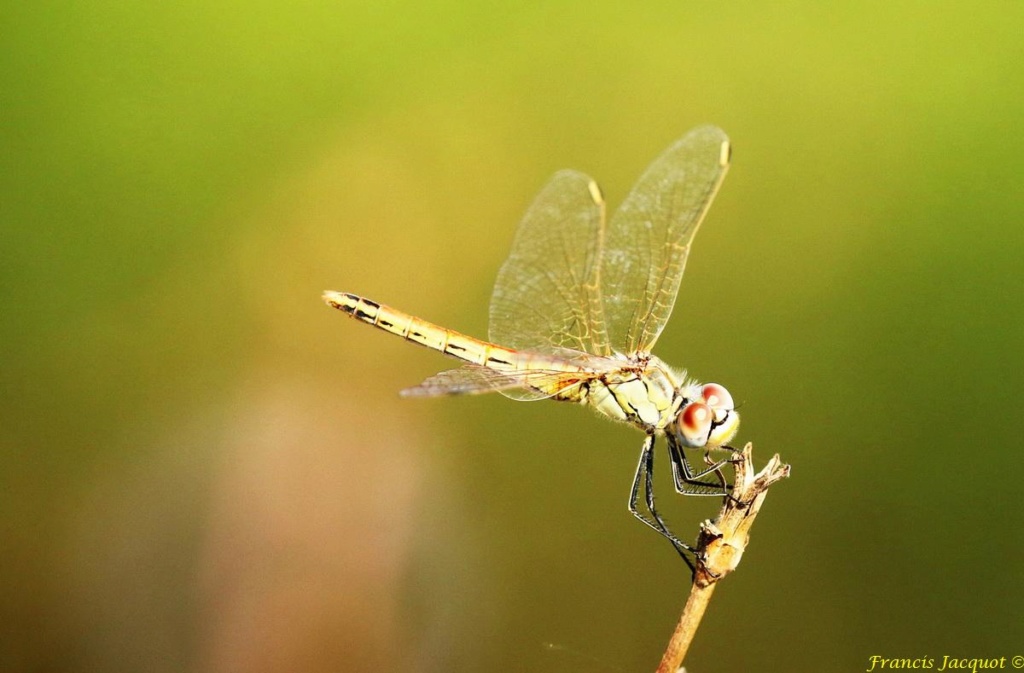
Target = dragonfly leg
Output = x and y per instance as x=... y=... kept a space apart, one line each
x=689 y=480
x=645 y=473
x=727 y=487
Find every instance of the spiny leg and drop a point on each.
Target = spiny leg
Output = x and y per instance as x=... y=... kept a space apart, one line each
x=645 y=471
x=711 y=463
x=688 y=480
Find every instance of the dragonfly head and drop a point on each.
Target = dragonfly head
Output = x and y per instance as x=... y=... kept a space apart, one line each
x=709 y=420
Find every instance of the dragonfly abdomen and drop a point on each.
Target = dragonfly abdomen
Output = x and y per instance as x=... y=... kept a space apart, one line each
x=422 y=332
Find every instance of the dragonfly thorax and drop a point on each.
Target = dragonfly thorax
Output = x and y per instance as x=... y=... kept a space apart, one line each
x=645 y=393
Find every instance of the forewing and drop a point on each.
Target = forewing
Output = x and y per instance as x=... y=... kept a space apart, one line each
x=524 y=385
x=547 y=295
x=648 y=239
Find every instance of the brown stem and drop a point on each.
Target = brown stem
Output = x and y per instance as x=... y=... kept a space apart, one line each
x=720 y=546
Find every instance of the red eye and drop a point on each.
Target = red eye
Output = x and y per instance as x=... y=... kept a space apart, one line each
x=695 y=423
x=717 y=397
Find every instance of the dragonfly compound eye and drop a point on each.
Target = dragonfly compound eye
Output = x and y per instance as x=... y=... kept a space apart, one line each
x=695 y=423
x=717 y=397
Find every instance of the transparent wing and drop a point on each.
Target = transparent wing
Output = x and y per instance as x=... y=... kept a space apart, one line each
x=526 y=384
x=547 y=295
x=648 y=239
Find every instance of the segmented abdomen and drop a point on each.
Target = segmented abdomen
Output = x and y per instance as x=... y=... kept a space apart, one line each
x=424 y=333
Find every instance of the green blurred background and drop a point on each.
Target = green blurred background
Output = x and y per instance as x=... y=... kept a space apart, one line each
x=206 y=469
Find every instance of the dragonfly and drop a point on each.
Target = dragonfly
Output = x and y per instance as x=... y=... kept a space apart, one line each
x=578 y=306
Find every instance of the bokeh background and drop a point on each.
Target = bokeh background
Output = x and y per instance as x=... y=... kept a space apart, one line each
x=206 y=469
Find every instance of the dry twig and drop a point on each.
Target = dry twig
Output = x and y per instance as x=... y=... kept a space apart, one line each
x=720 y=546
